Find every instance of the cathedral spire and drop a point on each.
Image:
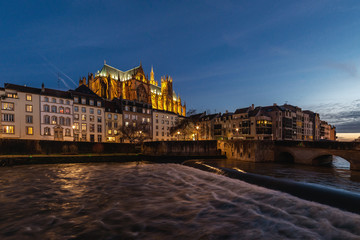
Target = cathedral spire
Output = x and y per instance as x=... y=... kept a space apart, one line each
x=152 y=78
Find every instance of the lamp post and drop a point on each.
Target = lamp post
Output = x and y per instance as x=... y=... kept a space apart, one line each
x=73 y=127
x=178 y=135
x=237 y=132
x=197 y=133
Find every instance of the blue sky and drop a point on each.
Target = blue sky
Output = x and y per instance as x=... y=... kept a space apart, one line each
x=222 y=55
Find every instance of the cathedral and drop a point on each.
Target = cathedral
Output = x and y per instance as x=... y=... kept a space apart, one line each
x=134 y=85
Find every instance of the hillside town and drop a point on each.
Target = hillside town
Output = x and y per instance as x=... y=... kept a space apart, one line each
x=127 y=106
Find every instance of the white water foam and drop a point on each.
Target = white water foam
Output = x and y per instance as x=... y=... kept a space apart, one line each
x=157 y=201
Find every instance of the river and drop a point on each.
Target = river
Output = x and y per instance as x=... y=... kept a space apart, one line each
x=155 y=201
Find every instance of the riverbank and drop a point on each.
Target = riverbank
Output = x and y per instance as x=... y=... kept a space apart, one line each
x=13 y=160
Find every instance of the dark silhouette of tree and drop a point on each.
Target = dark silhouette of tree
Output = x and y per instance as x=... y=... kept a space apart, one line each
x=135 y=133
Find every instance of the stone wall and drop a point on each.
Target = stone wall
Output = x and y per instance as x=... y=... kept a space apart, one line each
x=20 y=147
x=180 y=148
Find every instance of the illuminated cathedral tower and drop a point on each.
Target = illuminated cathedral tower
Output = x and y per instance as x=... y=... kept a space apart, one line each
x=132 y=84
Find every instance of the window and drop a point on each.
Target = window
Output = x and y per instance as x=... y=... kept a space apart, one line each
x=126 y=108
x=115 y=132
x=148 y=111
x=91 y=111
x=83 y=117
x=28 y=119
x=76 y=116
x=76 y=109
x=115 y=125
x=99 y=138
x=8 y=129
x=143 y=110
x=83 y=101
x=76 y=125
x=83 y=127
x=46 y=99
x=62 y=121
x=109 y=124
x=67 y=132
x=126 y=124
x=91 y=102
x=67 y=122
x=76 y=100
x=53 y=100
x=46 y=119
x=92 y=127
x=109 y=132
x=83 y=109
x=109 y=116
x=8 y=117
x=99 y=119
x=115 y=117
x=53 y=120
x=134 y=117
x=99 y=104
x=99 y=111
x=99 y=129
x=126 y=116
x=53 y=109
x=61 y=110
x=67 y=110
x=61 y=101
x=157 y=127
x=91 y=118
x=29 y=130
x=157 y=133
x=134 y=109
x=47 y=131
x=12 y=95
x=67 y=102
x=7 y=106
x=46 y=108
x=28 y=97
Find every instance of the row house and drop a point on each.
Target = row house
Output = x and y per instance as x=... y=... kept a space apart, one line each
x=138 y=115
x=89 y=114
x=20 y=108
x=113 y=120
x=162 y=122
x=56 y=115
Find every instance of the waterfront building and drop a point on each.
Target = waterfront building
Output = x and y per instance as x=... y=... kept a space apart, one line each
x=162 y=122
x=20 y=112
x=134 y=85
x=206 y=126
x=89 y=115
x=113 y=120
x=56 y=115
x=138 y=116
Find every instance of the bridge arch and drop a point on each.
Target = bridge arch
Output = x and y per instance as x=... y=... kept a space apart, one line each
x=323 y=159
x=285 y=157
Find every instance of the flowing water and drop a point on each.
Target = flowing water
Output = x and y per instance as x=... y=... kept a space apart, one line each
x=155 y=201
x=337 y=176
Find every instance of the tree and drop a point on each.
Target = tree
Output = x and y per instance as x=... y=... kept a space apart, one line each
x=135 y=133
x=188 y=126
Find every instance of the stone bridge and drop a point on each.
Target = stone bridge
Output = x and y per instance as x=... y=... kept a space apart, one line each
x=312 y=153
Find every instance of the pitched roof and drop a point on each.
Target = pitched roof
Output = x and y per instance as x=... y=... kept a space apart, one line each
x=22 y=88
x=242 y=110
x=83 y=90
x=117 y=73
x=55 y=93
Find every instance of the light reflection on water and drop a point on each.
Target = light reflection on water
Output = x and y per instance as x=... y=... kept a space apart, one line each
x=155 y=201
x=338 y=175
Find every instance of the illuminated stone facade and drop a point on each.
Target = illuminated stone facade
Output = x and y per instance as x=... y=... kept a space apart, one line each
x=134 y=85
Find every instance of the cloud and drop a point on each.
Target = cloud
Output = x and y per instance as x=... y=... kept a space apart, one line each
x=348 y=68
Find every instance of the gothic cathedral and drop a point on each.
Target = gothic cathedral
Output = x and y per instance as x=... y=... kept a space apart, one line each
x=132 y=84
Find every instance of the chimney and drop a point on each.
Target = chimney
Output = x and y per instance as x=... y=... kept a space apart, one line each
x=42 y=87
x=274 y=104
x=252 y=106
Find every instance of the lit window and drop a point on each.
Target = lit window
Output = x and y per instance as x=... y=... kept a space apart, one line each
x=29 y=130
x=29 y=108
x=61 y=110
x=83 y=117
x=8 y=129
x=115 y=132
x=109 y=132
x=76 y=116
x=67 y=132
x=83 y=127
x=126 y=124
x=28 y=97
x=47 y=131
x=7 y=106
x=76 y=125
x=91 y=118
x=67 y=110
x=53 y=120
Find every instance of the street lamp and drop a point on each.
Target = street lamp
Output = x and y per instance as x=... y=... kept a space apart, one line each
x=73 y=127
x=197 y=132
x=178 y=134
